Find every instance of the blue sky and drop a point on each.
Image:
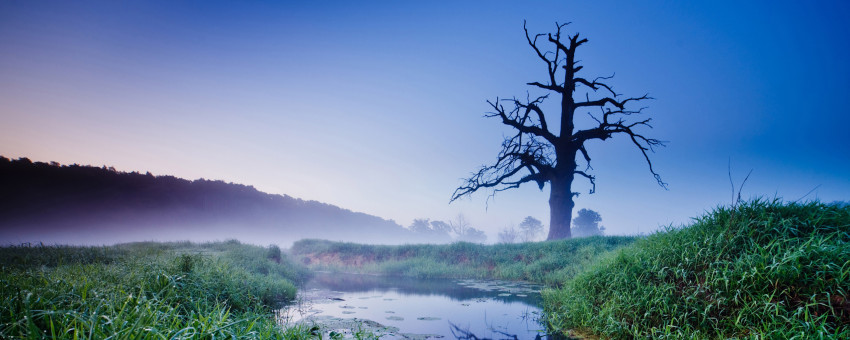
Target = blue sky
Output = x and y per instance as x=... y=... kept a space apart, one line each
x=378 y=106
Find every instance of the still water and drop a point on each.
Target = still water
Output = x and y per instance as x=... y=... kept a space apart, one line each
x=396 y=307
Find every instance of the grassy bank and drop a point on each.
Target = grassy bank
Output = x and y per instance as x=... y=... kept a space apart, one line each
x=763 y=269
x=548 y=262
x=145 y=291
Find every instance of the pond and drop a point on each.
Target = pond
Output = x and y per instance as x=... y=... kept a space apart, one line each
x=409 y=308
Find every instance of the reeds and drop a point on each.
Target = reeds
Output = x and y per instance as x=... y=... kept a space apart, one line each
x=763 y=269
x=547 y=262
x=144 y=291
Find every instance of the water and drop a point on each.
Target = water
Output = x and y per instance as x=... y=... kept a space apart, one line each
x=395 y=307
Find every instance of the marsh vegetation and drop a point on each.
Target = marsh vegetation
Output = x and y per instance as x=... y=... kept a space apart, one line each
x=146 y=291
x=759 y=269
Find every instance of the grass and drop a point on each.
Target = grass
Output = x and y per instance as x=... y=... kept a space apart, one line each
x=546 y=262
x=146 y=291
x=764 y=269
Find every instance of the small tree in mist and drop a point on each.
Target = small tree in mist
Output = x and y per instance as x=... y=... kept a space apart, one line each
x=587 y=223
x=530 y=228
x=508 y=234
x=464 y=231
x=540 y=153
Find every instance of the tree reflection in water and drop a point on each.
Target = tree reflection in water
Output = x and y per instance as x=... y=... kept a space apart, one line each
x=465 y=334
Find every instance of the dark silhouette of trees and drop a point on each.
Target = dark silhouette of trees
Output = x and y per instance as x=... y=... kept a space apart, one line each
x=530 y=227
x=587 y=223
x=541 y=153
x=44 y=200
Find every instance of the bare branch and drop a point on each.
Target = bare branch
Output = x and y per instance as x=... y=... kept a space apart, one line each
x=608 y=100
x=519 y=152
x=555 y=88
x=596 y=84
x=590 y=178
x=520 y=115
x=552 y=65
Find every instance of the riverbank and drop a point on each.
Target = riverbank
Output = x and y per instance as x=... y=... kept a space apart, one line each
x=146 y=290
x=551 y=263
x=765 y=269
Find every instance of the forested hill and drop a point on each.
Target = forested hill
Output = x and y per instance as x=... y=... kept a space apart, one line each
x=52 y=203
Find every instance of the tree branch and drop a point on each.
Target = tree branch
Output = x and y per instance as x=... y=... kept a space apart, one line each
x=590 y=178
x=520 y=115
x=519 y=152
x=552 y=65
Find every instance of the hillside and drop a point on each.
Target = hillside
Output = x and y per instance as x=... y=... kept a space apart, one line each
x=76 y=204
x=759 y=270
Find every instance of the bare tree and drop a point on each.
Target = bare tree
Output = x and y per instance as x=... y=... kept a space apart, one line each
x=508 y=234
x=537 y=153
x=465 y=232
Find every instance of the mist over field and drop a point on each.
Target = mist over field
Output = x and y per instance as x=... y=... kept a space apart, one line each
x=424 y=169
x=84 y=205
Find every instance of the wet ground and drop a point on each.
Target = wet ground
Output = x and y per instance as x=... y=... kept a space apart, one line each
x=406 y=308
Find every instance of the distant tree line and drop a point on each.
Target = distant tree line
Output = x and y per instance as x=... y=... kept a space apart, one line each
x=41 y=199
x=585 y=224
x=459 y=229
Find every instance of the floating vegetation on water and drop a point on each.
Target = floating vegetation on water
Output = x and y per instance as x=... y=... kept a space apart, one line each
x=332 y=328
x=506 y=287
x=428 y=318
x=395 y=318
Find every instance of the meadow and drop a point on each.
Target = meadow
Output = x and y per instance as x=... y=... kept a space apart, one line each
x=761 y=269
x=146 y=291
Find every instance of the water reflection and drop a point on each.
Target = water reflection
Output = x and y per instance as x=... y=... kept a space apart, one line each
x=465 y=334
x=505 y=291
x=397 y=307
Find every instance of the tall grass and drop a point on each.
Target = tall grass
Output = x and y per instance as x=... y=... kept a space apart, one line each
x=145 y=291
x=765 y=269
x=548 y=262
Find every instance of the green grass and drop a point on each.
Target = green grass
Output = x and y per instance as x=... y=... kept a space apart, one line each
x=546 y=262
x=146 y=291
x=765 y=269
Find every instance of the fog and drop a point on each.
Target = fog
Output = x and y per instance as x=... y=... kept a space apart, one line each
x=86 y=205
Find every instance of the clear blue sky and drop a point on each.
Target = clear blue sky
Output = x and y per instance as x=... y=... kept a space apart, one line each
x=377 y=106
